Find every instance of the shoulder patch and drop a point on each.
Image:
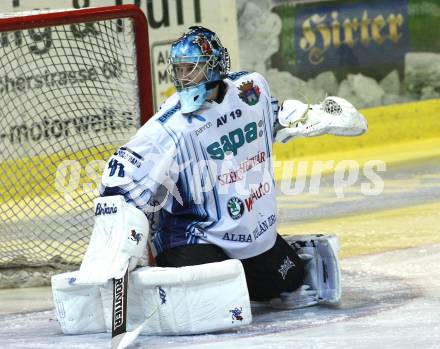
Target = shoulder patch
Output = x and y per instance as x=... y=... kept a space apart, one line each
x=249 y=92
x=236 y=76
x=168 y=114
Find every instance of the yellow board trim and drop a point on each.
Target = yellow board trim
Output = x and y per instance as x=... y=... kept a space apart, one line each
x=377 y=232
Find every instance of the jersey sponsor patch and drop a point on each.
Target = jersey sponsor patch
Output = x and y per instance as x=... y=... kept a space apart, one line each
x=235 y=208
x=263 y=226
x=132 y=157
x=237 y=237
x=202 y=129
x=256 y=194
x=234 y=140
x=249 y=92
x=168 y=114
x=245 y=166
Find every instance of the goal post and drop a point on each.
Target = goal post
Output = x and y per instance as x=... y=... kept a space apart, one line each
x=74 y=85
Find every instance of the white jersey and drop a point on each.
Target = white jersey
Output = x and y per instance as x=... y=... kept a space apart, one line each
x=207 y=176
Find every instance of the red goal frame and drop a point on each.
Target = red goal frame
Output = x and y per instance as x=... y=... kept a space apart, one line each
x=97 y=14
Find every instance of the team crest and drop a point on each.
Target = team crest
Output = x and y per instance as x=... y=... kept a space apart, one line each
x=235 y=208
x=249 y=93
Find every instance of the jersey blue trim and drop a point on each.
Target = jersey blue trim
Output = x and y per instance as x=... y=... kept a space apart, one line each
x=268 y=124
x=237 y=75
x=202 y=179
x=172 y=135
x=136 y=155
x=168 y=114
x=214 y=189
x=203 y=182
x=113 y=191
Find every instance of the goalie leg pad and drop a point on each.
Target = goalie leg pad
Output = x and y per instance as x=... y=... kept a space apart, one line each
x=118 y=240
x=78 y=308
x=322 y=266
x=188 y=300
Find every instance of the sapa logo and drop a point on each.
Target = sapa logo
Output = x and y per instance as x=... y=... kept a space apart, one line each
x=104 y=209
x=234 y=140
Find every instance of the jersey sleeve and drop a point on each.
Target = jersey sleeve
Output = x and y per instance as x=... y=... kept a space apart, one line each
x=141 y=167
x=274 y=107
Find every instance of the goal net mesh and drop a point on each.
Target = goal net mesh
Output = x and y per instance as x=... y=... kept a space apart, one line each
x=68 y=98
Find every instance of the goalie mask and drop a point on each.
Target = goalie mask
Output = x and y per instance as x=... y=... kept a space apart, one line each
x=197 y=62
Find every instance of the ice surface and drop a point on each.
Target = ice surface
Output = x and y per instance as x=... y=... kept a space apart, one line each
x=390 y=300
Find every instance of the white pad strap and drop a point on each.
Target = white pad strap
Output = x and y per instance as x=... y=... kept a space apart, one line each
x=78 y=307
x=118 y=240
x=334 y=116
x=322 y=266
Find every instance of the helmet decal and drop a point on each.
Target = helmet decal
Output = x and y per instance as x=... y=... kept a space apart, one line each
x=204 y=44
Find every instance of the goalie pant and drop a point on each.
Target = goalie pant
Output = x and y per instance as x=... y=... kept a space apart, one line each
x=299 y=260
x=268 y=275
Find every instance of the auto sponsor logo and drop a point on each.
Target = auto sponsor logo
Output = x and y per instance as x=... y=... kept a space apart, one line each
x=256 y=194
